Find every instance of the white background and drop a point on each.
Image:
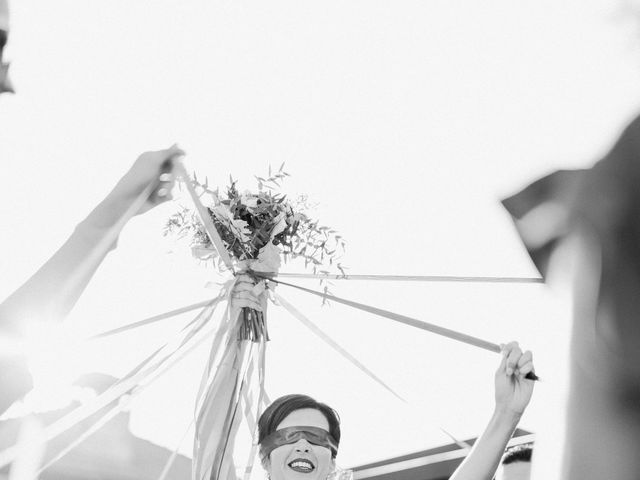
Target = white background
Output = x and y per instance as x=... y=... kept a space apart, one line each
x=405 y=121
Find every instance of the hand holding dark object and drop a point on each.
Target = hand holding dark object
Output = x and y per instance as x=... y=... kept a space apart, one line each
x=512 y=389
x=512 y=395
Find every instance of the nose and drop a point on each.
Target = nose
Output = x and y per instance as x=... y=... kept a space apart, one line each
x=303 y=446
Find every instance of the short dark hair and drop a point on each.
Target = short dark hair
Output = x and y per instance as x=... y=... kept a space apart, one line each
x=519 y=453
x=283 y=406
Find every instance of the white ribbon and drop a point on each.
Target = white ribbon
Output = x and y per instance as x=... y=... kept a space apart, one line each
x=327 y=339
x=142 y=375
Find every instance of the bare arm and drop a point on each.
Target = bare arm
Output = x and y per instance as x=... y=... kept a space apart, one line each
x=513 y=393
x=48 y=295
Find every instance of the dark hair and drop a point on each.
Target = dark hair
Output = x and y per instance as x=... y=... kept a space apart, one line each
x=283 y=406
x=520 y=453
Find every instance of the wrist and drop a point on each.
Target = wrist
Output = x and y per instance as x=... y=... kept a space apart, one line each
x=98 y=224
x=506 y=414
x=105 y=215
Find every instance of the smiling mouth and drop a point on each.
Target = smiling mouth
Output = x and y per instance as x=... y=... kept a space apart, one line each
x=301 y=465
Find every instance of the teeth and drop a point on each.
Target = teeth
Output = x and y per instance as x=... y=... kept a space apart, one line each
x=301 y=464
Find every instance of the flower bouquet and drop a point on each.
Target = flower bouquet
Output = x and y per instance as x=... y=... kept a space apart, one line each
x=259 y=231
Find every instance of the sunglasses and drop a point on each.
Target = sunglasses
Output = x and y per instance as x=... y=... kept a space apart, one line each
x=290 y=435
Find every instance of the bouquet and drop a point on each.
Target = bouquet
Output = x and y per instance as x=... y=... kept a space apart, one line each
x=260 y=230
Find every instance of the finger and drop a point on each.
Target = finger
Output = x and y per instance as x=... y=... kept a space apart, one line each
x=503 y=362
x=509 y=346
x=525 y=358
x=162 y=160
x=245 y=278
x=173 y=151
x=512 y=359
x=161 y=194
x=245 y=294
x=248 y=297
x=167 y=165
x=258 y=289
x=164 y=190
x=243 y=287
x=263 y=303
x=246 y=303
x=249 y=303
x=505 y=349
x=526 y=368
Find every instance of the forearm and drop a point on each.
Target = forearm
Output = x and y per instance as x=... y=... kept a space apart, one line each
x=484 y=458
x=54 y=289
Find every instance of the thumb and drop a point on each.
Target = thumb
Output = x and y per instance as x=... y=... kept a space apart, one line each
x=502 y=368
x=172 y=152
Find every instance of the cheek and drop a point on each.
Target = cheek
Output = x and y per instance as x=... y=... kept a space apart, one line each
x=325 y=462
x=278 y=455
x=275 y=467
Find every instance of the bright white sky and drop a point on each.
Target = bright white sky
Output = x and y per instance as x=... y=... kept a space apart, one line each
x=405 y=121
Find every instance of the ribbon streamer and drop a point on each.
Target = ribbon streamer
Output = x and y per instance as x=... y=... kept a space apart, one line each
x=125 y=400
x=445 y=332
x=263 y=401
x=402 y=278
x=31 y=450
x=220 y=413
x=215 y=421
x=150 y=320
x=226 y=397
x=137 y=377
x=174 y=454
x=108 y=416
x=414 y=278
x=216 y=352
x=205 y=217
x=329 y=341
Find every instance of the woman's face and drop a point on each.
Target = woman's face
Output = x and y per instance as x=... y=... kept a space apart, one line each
x=301 y=460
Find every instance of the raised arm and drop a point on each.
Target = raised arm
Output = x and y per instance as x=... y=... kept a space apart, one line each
x=512 y=395
x=49 y=295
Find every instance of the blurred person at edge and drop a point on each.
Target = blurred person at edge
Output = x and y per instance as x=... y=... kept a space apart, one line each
x=5 y=84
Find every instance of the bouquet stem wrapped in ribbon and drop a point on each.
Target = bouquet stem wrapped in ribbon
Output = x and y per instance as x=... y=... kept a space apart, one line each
x=253 y=326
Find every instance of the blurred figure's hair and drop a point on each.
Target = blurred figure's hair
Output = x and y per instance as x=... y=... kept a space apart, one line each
x=519 y=453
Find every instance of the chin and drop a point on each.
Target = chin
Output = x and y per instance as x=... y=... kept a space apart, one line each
x=288 y=474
